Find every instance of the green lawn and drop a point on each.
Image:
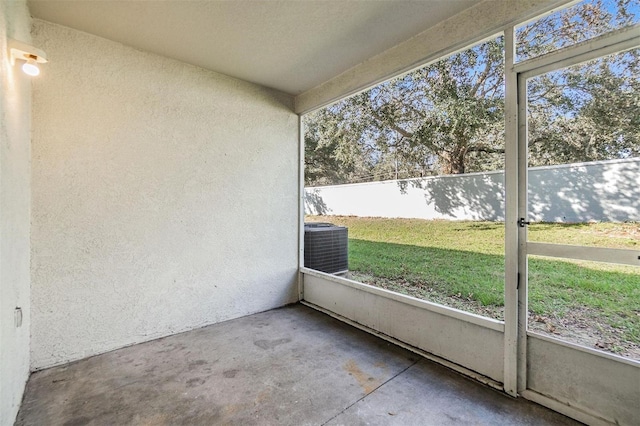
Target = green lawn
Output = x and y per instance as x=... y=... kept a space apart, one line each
x=462 y=264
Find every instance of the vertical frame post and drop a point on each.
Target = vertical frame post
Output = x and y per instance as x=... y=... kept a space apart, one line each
x=511 y=217
x=300 y=207
x=523 y=292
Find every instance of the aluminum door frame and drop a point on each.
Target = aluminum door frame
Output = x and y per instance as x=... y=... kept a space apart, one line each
x=516 y=235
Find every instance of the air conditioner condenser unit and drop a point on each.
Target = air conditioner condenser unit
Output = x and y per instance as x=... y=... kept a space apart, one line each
x=326 y=247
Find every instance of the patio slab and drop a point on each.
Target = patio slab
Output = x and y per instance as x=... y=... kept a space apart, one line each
x=289 y=366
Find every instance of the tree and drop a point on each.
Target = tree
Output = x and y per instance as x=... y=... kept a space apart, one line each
x=587 y=112
x=448 y=117
x=429 y=120
x=329 y=158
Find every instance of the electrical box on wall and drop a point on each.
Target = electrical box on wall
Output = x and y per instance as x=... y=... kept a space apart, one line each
x=17 y=316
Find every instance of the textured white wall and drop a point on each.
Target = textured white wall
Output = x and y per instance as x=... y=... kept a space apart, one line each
x=601 y=191
x=15 y=152
x=164 y=197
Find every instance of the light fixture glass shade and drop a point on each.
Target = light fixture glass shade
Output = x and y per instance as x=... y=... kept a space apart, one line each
x=31 y=68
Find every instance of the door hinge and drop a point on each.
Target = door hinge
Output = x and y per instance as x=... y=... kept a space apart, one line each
x=522 y=222
x=518 y=283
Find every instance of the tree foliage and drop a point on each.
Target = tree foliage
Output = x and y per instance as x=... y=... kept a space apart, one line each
x=586 y=112
x=448 y=117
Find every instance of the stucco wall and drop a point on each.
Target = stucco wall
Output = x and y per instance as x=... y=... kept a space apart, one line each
x=164 y=197
x=15 y=122
x=600 y=191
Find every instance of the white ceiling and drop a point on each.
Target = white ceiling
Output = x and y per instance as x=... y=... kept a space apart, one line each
x=291 y=46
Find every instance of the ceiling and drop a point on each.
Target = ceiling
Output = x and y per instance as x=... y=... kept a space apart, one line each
x=291 y=46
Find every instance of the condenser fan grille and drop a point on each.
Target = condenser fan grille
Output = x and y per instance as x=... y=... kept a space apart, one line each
x=326 y=247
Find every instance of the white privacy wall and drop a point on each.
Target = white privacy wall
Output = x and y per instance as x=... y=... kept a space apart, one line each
x=15 y=122
x=164 y=197
x=581 y=192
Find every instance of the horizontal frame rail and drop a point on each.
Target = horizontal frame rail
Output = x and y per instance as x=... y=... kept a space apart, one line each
x=585 y=349
x=613 y=42
x=596 y=254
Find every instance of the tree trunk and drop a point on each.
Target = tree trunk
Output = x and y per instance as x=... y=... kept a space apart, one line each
x=453 y=162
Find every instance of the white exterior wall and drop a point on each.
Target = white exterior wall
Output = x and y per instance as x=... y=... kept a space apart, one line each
x=597 y=191
x=165 y=197
x=15 y=158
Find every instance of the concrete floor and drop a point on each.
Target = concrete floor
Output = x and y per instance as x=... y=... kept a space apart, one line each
x=289 y=366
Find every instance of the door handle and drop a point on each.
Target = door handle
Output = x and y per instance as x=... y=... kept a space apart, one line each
x=522 y=222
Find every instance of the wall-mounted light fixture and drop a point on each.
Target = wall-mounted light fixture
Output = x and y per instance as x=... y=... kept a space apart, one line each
x=27 y=53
